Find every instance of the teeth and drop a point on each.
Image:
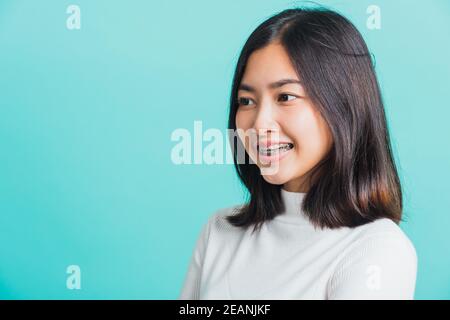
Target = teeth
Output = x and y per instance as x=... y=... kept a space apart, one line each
x=275 y=148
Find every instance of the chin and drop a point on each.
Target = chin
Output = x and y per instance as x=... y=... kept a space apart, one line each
x=277 y=178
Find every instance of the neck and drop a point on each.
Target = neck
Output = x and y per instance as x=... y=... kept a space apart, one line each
x=294 y=187
x=293 y=206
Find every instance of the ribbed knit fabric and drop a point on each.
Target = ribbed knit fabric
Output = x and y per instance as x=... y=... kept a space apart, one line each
x=290 y=259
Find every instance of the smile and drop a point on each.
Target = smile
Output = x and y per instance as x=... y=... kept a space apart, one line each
x=274 y=152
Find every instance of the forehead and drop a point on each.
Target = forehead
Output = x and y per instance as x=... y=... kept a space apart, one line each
x=268 y=64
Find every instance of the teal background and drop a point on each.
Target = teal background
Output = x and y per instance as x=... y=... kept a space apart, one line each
x=86 y=117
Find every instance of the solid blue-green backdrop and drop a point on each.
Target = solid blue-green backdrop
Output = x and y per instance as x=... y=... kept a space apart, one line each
x=86 y=117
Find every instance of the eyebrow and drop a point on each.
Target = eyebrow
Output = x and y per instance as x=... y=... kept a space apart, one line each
x=272 y=85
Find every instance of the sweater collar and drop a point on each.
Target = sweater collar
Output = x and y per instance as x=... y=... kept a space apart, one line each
x=293 y=207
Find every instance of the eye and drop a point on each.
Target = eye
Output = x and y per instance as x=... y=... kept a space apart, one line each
x=285 y=97
x=244 y=101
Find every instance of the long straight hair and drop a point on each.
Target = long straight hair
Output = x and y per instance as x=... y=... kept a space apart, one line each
x=357 y=181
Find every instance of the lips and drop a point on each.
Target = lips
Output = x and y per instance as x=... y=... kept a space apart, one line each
x=272 y=151
x=276 y=155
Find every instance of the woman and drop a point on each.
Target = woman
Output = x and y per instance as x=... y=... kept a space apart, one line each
x=325 y=196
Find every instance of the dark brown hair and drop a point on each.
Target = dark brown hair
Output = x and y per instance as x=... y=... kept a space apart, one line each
x=357 y=181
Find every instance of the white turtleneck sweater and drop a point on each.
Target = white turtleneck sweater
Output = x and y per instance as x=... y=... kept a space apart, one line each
x=290 y=259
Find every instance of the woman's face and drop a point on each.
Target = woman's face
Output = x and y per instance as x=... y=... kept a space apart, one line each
x=290 y=134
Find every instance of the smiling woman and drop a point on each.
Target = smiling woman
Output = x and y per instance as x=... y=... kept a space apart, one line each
x=324 y=224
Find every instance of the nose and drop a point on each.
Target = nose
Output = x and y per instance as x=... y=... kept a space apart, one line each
x=265 y=121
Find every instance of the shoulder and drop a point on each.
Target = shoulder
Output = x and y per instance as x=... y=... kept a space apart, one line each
x=386 y=234
x=218 y=223
x=218 y=218
x=380 y=250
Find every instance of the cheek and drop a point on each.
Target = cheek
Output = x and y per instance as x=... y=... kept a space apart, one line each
x=243 y=120
x=309 y=131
